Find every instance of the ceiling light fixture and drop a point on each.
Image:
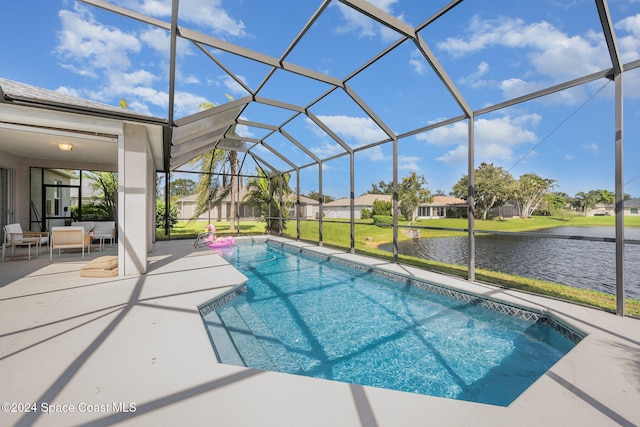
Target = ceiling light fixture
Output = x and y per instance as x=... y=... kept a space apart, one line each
x=65 y=147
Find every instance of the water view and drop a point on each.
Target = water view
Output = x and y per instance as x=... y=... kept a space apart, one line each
x=579 y=263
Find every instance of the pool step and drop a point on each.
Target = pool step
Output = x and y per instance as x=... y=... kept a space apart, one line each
x=222 y=343
x=247 y=344
x=277 y=352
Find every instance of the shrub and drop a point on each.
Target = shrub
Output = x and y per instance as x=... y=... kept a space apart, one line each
x=173 y=214
x=365 y=213
x=380 y=207
x=383 y=220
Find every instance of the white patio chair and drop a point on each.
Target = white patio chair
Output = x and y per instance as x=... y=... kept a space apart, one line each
x=15 y=236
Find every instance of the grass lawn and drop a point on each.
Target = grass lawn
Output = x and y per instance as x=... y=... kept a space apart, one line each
x=368 y=237
x=190 y=230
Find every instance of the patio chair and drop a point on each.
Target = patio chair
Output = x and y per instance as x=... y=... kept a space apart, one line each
x=69 y=238
x=15 y=236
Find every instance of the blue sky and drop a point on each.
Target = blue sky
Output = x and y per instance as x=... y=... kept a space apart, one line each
x=490 y=53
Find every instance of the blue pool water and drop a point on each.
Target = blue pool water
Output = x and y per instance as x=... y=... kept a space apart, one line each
x=311 y=316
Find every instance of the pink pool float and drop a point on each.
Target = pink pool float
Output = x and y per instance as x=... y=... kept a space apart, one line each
x=209 y=238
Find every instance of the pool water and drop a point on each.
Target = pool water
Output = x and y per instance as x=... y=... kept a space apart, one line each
x=311 y=316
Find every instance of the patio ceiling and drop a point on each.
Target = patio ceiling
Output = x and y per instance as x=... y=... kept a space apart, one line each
x=34 y=121
x=215 y=128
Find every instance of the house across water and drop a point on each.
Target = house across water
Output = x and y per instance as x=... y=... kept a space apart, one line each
x=439 y=207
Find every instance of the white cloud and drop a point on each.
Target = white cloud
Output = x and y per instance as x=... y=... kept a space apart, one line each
x=592 y=148
x=68 y=91
x=203 y=13
x=187 y=103
x=456 y=156
x=91 y=45
x=475 y=80
x=552 y=53
x=233 y=86
x=629 y=43
x=417 y=63
x=409 y=163
x=326 y=149
x=365 y=26
x=355 y=131
x=159 y=40
x=190 y=79
x=495 y=139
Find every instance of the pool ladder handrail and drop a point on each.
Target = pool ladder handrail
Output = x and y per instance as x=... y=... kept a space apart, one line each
x=201 y=239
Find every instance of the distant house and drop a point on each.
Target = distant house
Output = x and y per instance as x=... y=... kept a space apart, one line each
x=246 y=210
x=341 y=208
x=441 y=206
x=631 y=208
x=506 y=210
x=438 y=208
x=309 y=208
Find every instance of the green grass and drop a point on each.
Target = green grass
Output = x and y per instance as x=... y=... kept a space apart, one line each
x=369 y=237
x=190 y=230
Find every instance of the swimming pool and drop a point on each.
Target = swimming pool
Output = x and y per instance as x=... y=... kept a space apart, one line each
x=310 y=314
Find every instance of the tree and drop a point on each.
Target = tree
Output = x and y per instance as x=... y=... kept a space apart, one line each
x=316 y=196
x=105 y=186
x=265 y=192
x=553 y=203
x=583 y=202
x=411 y=192
x=210 y=191
x=493 y=186
x=529 y=192
x=607 y=197
x=181 y=187
x=172 y=218
x=381 y=188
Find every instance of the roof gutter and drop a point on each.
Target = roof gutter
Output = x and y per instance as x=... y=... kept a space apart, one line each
x=74 y=109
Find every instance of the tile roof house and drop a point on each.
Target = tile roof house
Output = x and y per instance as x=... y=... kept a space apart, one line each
x=631 y=208
x=246 y=210
x=437 y=208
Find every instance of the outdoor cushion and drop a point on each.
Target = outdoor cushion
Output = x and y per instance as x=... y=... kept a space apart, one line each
x=103 y=262
x=104 y=266
x=99 y=273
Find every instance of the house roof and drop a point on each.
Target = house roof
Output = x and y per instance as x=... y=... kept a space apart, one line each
x=445 y=201
x=21 y=93
x=364 y=200
x=303 y=199
x=368 y=199
x=34 y=121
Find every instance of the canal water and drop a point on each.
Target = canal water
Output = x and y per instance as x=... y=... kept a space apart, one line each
x=579 y=263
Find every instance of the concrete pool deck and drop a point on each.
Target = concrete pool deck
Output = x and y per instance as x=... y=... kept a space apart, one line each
x=134 y=350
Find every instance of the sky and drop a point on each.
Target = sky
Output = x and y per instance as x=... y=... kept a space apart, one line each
x=491 y=51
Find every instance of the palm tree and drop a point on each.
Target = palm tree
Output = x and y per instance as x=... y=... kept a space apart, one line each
x=265 y=193
x=105 y=185
x=209 y=190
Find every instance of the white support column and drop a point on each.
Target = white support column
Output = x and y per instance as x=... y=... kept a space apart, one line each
x=133 y=207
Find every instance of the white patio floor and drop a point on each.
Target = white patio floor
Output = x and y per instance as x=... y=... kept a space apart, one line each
x=134 y=350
